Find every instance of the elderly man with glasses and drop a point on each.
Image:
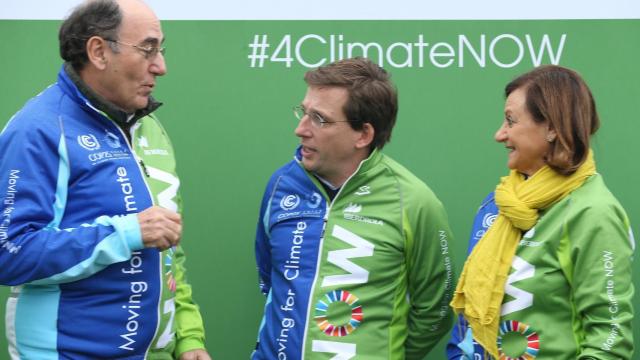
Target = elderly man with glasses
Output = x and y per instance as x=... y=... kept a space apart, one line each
x=352 y=249
x=91 y=227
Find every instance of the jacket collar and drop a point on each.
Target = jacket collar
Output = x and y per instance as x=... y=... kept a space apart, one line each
x=85 y=94
x=365 y=165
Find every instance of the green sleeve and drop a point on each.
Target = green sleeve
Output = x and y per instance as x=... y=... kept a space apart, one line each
x=430 y=275
x=189 y=327
x=601 y=252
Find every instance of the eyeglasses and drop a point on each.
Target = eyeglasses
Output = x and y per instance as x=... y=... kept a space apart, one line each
x=316 y=119
x=150 y=52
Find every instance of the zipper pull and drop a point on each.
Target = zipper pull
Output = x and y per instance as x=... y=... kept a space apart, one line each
x=144 y=167
x=324 y=226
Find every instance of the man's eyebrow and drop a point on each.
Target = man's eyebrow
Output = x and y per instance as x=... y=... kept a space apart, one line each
x=152 y=41
x=322 y=115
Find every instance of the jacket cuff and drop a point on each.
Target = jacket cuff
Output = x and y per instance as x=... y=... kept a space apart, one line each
x=188 y=344
x=129 y=228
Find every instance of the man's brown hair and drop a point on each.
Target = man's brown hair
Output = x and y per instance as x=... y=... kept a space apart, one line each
x=372 y=96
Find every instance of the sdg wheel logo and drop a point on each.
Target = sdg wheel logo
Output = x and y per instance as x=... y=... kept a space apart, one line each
x=518 y=340
x=338 y=313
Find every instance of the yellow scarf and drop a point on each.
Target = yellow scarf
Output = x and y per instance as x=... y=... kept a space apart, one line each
x=480 y=289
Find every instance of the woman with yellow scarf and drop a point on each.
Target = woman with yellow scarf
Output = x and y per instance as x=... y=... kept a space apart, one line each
x=550 y=275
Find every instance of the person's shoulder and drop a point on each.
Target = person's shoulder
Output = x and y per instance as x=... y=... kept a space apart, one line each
x=38 y=115
x=41 y=107
x=289 y=169
x=593 y=209
x=594 y=198
x=412 y=187
x=488 y=204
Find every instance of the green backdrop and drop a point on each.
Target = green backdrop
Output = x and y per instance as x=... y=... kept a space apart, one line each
x=232 y=124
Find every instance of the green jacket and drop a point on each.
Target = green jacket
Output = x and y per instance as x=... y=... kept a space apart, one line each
x=569 y=293
x=365 y=276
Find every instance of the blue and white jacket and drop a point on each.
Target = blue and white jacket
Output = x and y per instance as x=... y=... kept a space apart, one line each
x=84 y=286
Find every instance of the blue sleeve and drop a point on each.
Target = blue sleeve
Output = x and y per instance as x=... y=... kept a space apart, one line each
x=262 y=247
x=457 y=336
x=461 y=345
x=34 y=177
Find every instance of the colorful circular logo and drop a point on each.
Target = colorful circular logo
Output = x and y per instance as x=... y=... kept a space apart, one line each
x=338 y=296
x=523 y=330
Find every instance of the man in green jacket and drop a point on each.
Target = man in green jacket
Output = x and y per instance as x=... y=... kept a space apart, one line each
x=352 y=248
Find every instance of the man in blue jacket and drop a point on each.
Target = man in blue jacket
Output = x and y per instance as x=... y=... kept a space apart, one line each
x=90 y=226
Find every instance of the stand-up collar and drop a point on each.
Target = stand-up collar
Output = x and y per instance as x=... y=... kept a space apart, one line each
x=374 y=158
x=114 y=112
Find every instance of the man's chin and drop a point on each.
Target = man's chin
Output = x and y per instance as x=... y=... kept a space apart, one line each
x=307 y=164
x=142 y=103
x=144 y=100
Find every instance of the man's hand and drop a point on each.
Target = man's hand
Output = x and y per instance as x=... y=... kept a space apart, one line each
x=160 y=228
x=198 y=354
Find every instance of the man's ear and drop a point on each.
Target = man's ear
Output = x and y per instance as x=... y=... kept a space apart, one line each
x=365 y=137
x=97 y=52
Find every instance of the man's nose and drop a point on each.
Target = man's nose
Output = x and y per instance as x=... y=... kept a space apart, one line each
x=304 y=127
x=158 y=66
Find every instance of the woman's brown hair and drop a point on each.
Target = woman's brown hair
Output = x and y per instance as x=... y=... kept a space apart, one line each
x=561 y=97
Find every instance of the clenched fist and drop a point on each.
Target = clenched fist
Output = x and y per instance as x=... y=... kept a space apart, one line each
x=160 y=228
